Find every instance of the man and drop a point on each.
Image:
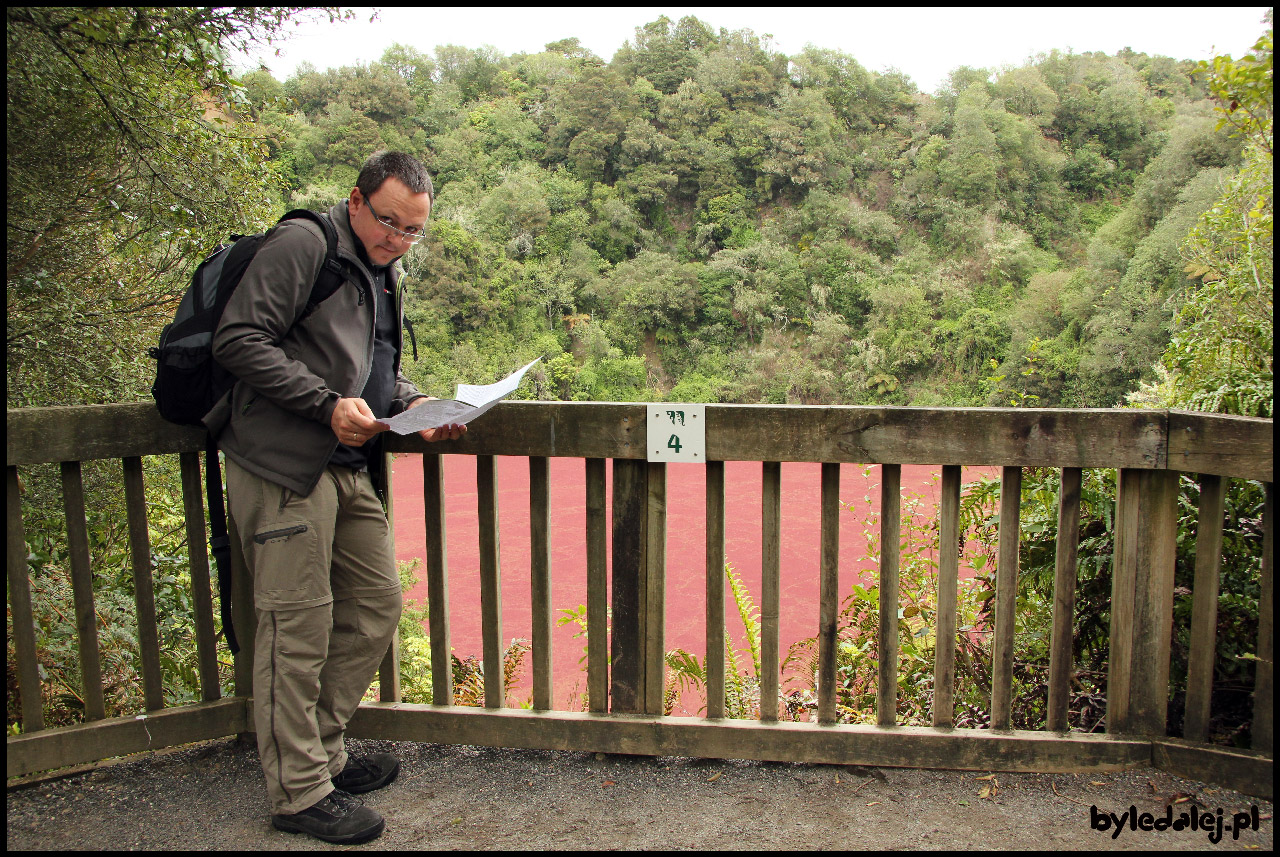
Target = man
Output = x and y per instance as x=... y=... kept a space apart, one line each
x=304 y=472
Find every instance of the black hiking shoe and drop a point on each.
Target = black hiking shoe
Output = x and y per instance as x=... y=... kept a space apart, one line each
x=366 y=773
x=337 y=817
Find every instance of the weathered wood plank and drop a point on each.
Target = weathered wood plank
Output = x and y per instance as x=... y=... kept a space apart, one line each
x=1249 y=772
x=897 y=746
x=572 y=429
x=771 y=587
x=437 y=578
x=972 y=436
x=715 y=589
x=1263 y=689
x=626 y=666
x=1064 y=599
x=1006 y=597
x=82 y=590
x=1057 y=437
x=490 y=582
x=198 y=563
x=144 y=599
x=1223 y=445
x=887 y=644
x=24 y=633
x=1093 y=437
x=828 y=591
x=944 y=662
x=540 y=577
x=1124 y=573
x=389 y=668
x=654 y=604
x=244 y=616
x=1156 y=551
x=1204 y=608
x=597 y=587
x=85 y=432
x=119 y=736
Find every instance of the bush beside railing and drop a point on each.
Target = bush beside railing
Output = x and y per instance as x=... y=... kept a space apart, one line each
x=625 y=670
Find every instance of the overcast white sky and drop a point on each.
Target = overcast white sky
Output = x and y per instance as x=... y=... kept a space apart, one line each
x=925 y=42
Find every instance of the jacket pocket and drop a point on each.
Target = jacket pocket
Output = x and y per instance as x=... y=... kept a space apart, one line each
x=287 y=572
x=279 y=535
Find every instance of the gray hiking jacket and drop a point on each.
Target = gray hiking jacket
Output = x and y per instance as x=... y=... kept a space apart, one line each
x=275 y=422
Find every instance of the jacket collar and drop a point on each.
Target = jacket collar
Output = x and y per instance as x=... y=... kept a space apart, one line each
x=341 y=218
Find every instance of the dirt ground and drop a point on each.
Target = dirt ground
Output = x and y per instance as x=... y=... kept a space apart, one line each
x=212 y=797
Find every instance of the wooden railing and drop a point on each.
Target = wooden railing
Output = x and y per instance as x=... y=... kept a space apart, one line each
x=625 y=668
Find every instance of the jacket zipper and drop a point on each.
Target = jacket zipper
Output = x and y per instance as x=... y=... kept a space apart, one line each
x=286 y=532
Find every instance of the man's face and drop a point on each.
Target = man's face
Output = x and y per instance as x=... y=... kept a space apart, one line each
x=397 y=206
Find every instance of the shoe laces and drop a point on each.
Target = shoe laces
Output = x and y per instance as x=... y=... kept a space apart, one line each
x=343 y=801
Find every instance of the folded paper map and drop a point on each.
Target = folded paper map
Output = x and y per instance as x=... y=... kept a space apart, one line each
x=469 y=402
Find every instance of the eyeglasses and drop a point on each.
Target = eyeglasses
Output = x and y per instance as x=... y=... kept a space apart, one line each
x=385 y=222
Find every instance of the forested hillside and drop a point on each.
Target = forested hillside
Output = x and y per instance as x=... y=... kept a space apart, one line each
x=703 y=219
x=698 y=218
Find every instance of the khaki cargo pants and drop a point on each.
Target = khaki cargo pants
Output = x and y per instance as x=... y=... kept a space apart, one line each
x=328 y=601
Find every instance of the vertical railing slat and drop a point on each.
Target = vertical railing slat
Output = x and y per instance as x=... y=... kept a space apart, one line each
x=627 y=649
x=887 y=644
x=198 y=563
x=143 y=584
x=1123 y=574
x=24 y=627
x=715 y=589
x=1204 y=607
x=944 y=663
x=770 y=596
x=655 y=584
x=828 y=591
x=82 y=589
x=597 y=587
x=540 y=578
x=490 y=582
x=1263 y=689
x=437 y=579
x=1064 y=599
x=1006 y=597
x=244 y=614
x=389 y=668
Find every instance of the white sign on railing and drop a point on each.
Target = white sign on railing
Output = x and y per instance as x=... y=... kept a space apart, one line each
x=678 y=433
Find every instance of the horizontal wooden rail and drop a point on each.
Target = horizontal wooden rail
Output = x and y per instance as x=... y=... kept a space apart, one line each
x=120 y=736
x=844 y=744
x=1023 y=437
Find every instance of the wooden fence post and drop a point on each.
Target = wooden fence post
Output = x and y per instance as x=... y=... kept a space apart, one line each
x=1142 y=601
x=1264 y=689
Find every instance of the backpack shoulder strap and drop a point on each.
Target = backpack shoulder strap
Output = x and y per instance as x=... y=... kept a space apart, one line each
x=332 y=274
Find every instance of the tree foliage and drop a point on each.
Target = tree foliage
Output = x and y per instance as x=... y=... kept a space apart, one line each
x=771 y=227
x=1221 y=354
x=126 y=160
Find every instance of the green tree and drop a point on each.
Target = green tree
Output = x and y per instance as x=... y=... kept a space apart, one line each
x=1220 y=357
x=664 y=53
x=127 y=160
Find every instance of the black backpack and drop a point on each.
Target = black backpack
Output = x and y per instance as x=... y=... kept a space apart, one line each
x=189 y=382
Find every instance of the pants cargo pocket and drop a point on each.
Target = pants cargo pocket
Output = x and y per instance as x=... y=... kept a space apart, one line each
x=287 y=571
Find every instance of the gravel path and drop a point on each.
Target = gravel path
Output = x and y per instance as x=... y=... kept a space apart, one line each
x=212 y=797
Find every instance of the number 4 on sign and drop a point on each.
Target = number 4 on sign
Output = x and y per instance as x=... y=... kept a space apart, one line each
x=677 y=433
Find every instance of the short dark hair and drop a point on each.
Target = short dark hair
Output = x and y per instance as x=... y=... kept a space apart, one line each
x=382 y=165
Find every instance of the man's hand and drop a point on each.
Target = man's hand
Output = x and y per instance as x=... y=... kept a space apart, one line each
x=353 y=422
x=449 y=432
